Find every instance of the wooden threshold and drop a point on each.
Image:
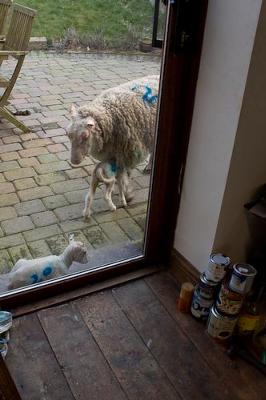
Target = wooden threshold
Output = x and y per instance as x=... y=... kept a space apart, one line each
x=85 y=290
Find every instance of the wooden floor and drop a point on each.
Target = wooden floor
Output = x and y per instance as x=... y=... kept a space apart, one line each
x=124 y=343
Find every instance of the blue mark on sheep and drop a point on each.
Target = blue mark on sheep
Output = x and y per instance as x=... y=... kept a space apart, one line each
x=147 y=97
x=48 y=269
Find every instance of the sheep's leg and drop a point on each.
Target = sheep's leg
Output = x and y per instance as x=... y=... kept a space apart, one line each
x=90 y=197
x=147 y=169
x=108 y=195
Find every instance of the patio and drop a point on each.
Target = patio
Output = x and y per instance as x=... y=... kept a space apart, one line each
x=41 y=194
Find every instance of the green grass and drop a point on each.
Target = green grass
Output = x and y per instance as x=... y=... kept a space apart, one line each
x=115 y=19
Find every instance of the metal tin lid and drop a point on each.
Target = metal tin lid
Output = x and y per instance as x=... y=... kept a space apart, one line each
x=244 y=269
x=220 y=315
x=206 y=281
x=220 y=259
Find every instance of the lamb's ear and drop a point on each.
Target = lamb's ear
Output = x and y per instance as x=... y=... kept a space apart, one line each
x=73 y=111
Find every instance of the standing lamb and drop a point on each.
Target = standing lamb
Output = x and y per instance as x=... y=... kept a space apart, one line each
x=27 y=272
x=119 y=124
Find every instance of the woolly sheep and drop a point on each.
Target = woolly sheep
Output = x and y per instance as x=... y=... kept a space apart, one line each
x=119 y=124
x=27 y=272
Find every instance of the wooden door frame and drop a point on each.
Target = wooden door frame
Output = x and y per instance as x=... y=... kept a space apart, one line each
x=179 y=75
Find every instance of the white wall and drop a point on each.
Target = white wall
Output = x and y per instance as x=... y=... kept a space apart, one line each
x=227 y=47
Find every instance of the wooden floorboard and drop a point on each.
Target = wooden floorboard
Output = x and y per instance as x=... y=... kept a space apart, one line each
x=172 y=349
x=32 y=363
x=136 y=369
x=235 y=375
x=125 y=343
x=83 y=364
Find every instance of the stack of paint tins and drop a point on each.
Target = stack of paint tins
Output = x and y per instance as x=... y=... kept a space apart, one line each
x=225 y=312
x=5 y=325
x=206 y=290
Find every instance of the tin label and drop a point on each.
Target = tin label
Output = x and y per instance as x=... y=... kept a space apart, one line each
x=200 y=307
x=229 y=302
x=247 y=324
x=220 y=327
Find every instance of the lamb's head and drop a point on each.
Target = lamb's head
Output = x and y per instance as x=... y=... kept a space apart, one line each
x=75 y=251
x=80 y=133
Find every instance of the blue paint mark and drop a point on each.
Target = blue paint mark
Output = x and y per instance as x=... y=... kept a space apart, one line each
x=148 y=96
x=47 y=271
x=34 y=278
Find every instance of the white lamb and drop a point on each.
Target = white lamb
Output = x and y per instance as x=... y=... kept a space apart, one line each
x=27 y=272
x=117 y=125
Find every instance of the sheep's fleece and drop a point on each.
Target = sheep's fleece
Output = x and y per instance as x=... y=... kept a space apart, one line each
x=118 y=124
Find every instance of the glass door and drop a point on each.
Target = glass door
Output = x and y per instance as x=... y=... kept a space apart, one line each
x=96 y=193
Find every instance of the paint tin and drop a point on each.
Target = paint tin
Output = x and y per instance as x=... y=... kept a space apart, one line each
x=5 y=321
x=242 y=278
x=219 y=326
x=205 y=288
x=217 y=267
x=229 y=302
x=200 y=307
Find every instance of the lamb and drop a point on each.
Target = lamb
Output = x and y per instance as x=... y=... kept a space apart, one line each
x=119 y=124
x=109 y=174
x=27 y=272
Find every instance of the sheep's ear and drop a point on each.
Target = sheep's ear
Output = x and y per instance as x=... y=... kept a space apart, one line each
x=73 y=111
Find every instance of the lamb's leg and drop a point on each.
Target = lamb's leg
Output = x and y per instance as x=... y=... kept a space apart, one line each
x=147 y=169
x=90 y=196
x=121 y=187
x=108 y=195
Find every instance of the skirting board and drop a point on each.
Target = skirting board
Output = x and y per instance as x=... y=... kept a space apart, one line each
x=182 y=269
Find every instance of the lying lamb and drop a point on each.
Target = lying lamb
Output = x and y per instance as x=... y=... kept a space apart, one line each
x=107 y=173
x=117 y=125
x=27 y=272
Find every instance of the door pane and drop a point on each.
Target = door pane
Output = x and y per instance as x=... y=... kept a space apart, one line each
x=88 y=134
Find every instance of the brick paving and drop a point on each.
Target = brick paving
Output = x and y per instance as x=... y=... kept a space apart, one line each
x=41 y=194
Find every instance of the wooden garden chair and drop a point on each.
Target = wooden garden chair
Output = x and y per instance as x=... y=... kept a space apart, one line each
x=16 y=46
x=4 y=8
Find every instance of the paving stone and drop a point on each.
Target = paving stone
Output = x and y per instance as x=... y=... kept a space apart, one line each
x=140 y=196
x=11 y=139
x=6 y=187
x=35 y=193
x=47 y=158
x=17 y=225
x=141 y=221
x=25 y=183
x=48 y=179
x=29 y=207
x=137 y=209
x=56 y=148
x=53 y=202
x=6 y=263
x=18 y=252
x=57 y=244
x=6 y=166
x=13 y=240
x=5 y=148
x=76 y=173
x=70 y=185
x=114 y=232
x=143 y=181
x=69 y=212
x=36 y=143
x=39 y=248
x=19 y=173
x=96 y=237
x=34 y=152
x=44 y=218
x=29 y=136
x=7 y=213
x=13 y=155
x=60 y=139
x=73 y=225
x=2 y=178
x=77 y=196
x=80 y=237
x=42 y=233
x=55 y=132
x=110 y=216
x=131 y=228
x=64 y=155
x=28 y=162
x=8 y=199
x=52 y=167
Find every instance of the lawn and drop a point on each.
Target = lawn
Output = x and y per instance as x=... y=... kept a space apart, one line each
x=115 y=20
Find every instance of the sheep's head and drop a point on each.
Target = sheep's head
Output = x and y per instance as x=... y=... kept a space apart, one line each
x=79 y=132
x=76 y=251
